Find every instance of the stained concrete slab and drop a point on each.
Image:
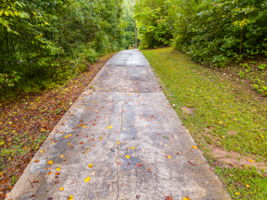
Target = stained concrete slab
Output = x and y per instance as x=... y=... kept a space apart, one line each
x=123 y=125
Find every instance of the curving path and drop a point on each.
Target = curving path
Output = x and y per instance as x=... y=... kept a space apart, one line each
x=121 y=140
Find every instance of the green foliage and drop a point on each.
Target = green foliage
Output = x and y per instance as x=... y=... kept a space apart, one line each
x=152 y=23
x=128 y=25
x=256 y=74
x=43 y=42
x=211 y=31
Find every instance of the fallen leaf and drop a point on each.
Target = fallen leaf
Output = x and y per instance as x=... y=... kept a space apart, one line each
x=58 y=169
x=67 y=136
x=70 y=197
x=237 y=193
x=139 y=165
x=42 y=130
x=247 y=186
x=100 y=138
x=127 y=156
x=194 y=147
x=251 y=161
x=191 y=163
x=186 y=198
x=61 y=189
x=118 y=142
x=168 y=198
x=61 y=156
x=90 y=165
x=231 y=132
x=110 y=127
x=42 y=151
x=36 y=161
x=87 y=179
x=131 y=147
x=169 y=156
x=50 y=162
x=57 y=173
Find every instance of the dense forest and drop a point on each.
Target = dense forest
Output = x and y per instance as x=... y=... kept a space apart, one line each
x=46 y=42
x=43 y=43
x=211 y=31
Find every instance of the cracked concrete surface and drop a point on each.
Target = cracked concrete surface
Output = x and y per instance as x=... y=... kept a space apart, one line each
x=123 y=113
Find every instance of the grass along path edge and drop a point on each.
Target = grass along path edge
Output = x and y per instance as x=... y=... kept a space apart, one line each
x=227 y=121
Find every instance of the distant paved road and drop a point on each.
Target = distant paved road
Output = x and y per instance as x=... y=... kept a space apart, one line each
x=121 y=140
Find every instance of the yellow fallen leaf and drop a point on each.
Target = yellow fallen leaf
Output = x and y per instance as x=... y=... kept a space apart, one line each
x=58 y=169
x=42 y=151
x=186 y=198
x=131 y=147
x=87 y=179
x=61 y=156
x=67 y=136
x=194 y=147
x=110 y=127
x=247 y=186
x=100 y=138
x=2 y=143
x=61 y=189
x=251 y=161
x=42 y=130
x=118 y=142
x=237 y=193
x=90 y=165
x=127 y=156
x=84 y=126
x=71 y=197
x=169 y=156
x=50 y=162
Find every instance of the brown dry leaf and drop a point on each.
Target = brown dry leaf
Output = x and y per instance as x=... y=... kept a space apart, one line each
x=191 y=163
x=231 y=133
x=168 y=198
x=139 y=165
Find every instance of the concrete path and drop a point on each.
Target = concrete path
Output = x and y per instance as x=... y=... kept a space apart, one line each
x=120 y=141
